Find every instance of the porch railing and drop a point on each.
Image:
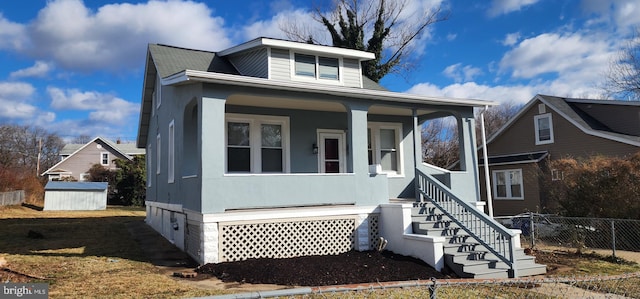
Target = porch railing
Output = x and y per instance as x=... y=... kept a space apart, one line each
x=496 y=238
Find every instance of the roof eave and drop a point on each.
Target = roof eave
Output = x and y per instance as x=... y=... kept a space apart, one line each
x=268 y=42
x=386 y=96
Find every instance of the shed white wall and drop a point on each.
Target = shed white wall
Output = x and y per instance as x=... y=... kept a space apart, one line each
x=78 y=200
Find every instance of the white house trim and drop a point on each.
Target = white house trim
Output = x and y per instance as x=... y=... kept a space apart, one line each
x=276 y=43
x=189 y=76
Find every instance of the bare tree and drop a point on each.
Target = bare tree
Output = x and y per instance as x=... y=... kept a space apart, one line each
x=26 y=148
x=623 y=77
x=440 y=144
x=389 y=26
x=495 y=118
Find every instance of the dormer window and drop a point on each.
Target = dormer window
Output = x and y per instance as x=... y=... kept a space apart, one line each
x=316 y=67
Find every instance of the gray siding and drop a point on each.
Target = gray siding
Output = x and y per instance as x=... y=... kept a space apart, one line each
x=568 y=139
x=82 y=161
x=252 y=63
x=351 y=73
x=280 y=64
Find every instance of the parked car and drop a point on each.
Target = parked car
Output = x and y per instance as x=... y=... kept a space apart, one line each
x=544 y=227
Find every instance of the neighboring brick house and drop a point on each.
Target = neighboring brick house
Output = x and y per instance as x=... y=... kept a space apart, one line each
x=548 y=128
x=77 y=159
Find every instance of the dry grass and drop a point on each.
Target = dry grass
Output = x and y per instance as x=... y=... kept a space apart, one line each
x=84 y=255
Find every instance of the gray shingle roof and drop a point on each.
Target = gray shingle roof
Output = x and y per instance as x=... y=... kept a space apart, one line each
x=170 y=60
x=591 y=122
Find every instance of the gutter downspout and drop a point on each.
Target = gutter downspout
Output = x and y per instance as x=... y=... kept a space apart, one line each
x=487 y=182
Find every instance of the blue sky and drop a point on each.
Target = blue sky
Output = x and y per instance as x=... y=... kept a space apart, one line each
x=76 y=67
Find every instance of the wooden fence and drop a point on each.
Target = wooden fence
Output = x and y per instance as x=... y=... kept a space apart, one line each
x=11 y=198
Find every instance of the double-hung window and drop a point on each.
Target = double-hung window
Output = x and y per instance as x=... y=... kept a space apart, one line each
x=171 y=153
x=257 y=143
x=104 y=158
x=507 y=184
x=384 y=146
x=316 y=67
x=543 y=128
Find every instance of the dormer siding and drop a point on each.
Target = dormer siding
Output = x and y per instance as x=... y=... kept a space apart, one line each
x=280 y=65
x=252 y=63
x=351 y=73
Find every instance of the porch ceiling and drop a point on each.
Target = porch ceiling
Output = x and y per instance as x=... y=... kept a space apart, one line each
x=314 y=105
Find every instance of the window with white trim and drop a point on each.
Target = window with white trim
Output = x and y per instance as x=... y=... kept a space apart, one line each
x=171 y=153
x=149 y=164
x=507 y=184
x=104 y=158
x=316 y=67
x=544 y=128
x=557 y=175
x=385 y=146
x=257 y=144
x=158 y=156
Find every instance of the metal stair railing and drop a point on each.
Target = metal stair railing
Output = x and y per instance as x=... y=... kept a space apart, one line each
x=486 y=231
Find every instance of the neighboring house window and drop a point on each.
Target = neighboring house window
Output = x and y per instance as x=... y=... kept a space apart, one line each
x=257 y=144
x=544 y=128
x=557 y=175
x=104 y=158
x=158 y=156
x=384 y=144
x=507 y=184
x=171 y=153
x=316 y=67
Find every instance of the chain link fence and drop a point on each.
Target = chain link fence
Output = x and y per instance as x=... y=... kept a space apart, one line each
x=615 y=286
x=618 y=238
x=609 y=238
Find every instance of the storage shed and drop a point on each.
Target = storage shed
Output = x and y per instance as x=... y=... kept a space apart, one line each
x=68 y=196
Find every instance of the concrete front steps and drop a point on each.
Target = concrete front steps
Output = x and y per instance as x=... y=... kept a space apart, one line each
x=462 y=254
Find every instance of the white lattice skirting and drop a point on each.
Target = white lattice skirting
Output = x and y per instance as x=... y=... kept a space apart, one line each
x=277 y=233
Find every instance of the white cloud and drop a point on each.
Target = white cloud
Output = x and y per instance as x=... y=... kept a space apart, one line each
x=511 y=39
x=115 y=36
x=623 y=13
x=104 y=108
x=517 y=94
x=39 y=69
x=12 y=35
x=14 y=100
x=287 y=18
x=451 y=36
x=460 y=73
x=500 y=7
x=555 y=53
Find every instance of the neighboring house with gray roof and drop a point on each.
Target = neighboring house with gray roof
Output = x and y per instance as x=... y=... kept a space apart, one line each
x=550 y=127
x=77 y=159
x=278 y=149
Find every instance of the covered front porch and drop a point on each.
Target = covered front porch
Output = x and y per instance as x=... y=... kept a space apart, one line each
x=298 y=149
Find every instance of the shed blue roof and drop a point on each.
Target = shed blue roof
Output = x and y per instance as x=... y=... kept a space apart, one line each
x=54 y=185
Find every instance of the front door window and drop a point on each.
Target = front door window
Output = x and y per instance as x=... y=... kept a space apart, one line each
x=332 y=152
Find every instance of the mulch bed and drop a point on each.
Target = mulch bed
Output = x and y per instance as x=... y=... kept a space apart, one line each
x=347 y=268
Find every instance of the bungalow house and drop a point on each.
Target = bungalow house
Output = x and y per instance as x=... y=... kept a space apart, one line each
x=77 y=159
x=547 y=128
x=277 y=149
